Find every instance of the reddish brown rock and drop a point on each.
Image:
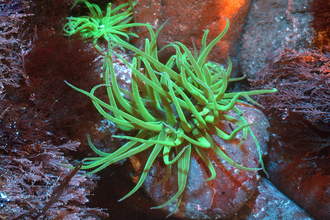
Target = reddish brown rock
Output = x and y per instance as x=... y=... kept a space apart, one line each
x=189 y=19
x=228 y=192
x=303 y=176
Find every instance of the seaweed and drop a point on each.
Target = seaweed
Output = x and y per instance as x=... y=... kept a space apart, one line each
x=300 y=111
x=29 y=169
x=58 y=191
x=51 y=61
x=9 y=7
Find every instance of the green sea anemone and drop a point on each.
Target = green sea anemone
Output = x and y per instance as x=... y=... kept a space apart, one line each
x=174 y=107
x=96 y=25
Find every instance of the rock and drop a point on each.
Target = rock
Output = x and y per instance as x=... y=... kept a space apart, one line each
x=232 y=187
x=304 y=177
x=270 y=25
x=188 y=19
x=269 y=203
x=102 y=131
x=298 y=162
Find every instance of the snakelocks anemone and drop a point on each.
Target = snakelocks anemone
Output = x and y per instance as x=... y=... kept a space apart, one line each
x=174 y=107
x=97 y=26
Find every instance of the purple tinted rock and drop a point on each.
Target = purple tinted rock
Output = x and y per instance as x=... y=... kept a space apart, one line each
x=269 y=203
x=232 y=187
x=271 y=25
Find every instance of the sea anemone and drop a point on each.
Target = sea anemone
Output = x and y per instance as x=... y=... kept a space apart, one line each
x=174 y=107
x=96 y=25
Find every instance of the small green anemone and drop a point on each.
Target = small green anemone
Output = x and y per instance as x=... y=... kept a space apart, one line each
x=96 y=25
x=173 y=106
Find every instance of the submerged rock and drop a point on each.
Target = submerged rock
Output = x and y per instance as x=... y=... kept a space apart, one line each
x=269 y=203
x=304 y=177
x=187 y=21
x=232 y=187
